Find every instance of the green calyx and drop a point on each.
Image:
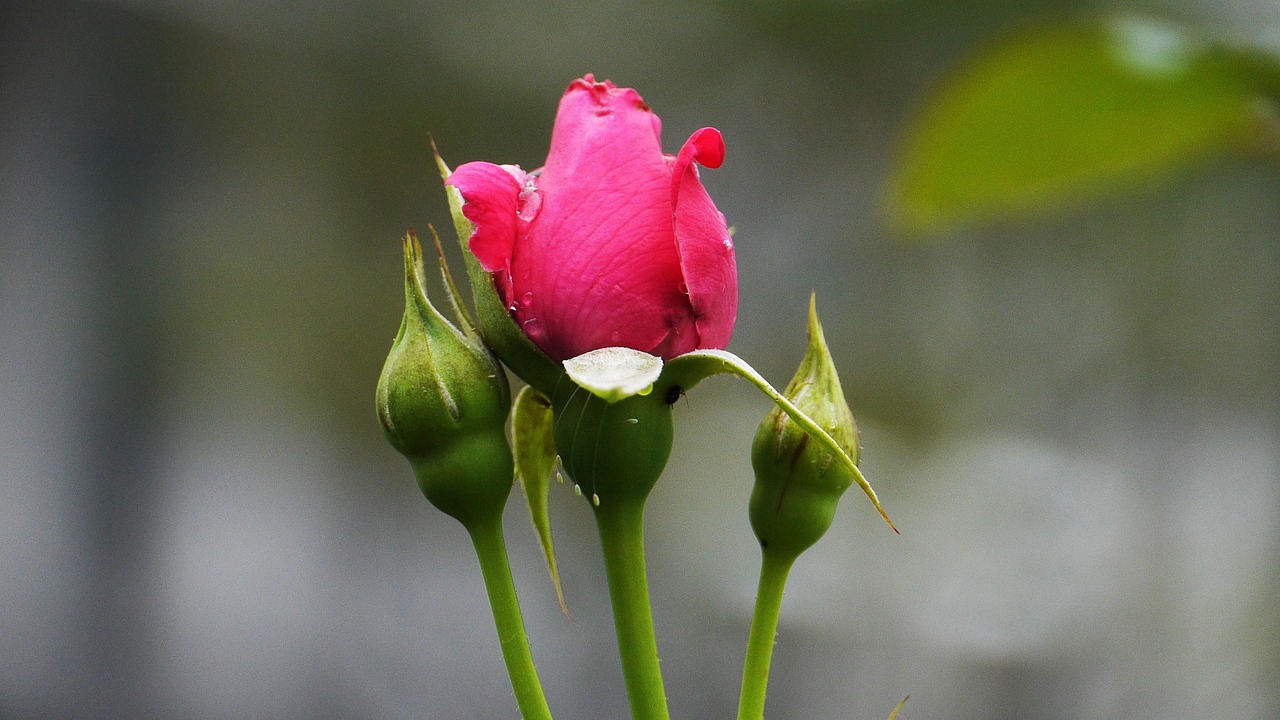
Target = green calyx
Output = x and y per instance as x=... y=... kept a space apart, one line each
x=614 y=451
x=442 y=401
x=798 y=483
x=613 y=432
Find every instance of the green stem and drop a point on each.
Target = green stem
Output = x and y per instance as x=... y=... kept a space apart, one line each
x=491 y=549
x=764 y=628
x=622 y=538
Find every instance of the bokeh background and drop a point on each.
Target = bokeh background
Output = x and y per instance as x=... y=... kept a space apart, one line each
x=1071 y=416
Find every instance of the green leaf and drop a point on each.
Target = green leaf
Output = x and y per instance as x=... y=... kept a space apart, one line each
x=615 y=373
x=533 y=445
x=1066 y=111
x=686 y=371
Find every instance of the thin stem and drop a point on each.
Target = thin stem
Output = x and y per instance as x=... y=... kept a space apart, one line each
x=622 y=538
x=491 y=549
x=764 y=628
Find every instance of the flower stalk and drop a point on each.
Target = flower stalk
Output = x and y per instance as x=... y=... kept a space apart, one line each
x=622 y=541
x=774 y=567
x=491 y=550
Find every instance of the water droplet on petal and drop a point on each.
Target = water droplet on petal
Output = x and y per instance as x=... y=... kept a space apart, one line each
x=533 y=329
x=527 y=299
x=684 y=288
x=530 y=203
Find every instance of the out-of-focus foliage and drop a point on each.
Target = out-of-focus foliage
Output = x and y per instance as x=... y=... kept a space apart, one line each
x=1067 y=110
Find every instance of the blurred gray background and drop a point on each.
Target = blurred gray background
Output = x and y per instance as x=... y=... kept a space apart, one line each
x=1072 y=418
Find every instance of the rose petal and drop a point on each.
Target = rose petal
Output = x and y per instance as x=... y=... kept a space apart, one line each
x=702 y=239
x=597 y=261
x=490 y=194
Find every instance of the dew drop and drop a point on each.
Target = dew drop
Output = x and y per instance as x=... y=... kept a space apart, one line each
x=559 y=477
x=577 y=489
x=684 y=288
x=595 y=499
x=530 y=204
x=533 y=329
x=527 y=299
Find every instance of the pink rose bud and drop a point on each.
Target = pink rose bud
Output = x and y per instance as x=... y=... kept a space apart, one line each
x=611 y=243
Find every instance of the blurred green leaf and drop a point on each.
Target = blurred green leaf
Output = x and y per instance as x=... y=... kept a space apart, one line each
x=1071 y=110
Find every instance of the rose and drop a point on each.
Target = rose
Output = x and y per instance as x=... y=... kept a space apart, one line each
x=611 y=243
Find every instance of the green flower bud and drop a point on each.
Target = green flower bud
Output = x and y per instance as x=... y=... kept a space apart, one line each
x=614 y=451
x=612 y=430
x=443 y=401
x=798 y=482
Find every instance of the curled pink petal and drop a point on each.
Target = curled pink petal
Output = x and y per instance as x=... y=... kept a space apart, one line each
x=706 y=146
x=491 y=195
x=703 y=243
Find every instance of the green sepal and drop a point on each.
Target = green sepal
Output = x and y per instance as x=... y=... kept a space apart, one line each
x=455 y=297
x=499 y=330
x=534 y=447
x=685 y=371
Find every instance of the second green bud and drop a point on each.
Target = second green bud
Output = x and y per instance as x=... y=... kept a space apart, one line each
x=798 y=482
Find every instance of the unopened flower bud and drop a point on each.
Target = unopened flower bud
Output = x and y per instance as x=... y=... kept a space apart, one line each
x=798 y=482
x=612 y=243
x=443 y=400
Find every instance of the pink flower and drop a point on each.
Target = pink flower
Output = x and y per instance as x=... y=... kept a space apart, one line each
x=611 y=243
